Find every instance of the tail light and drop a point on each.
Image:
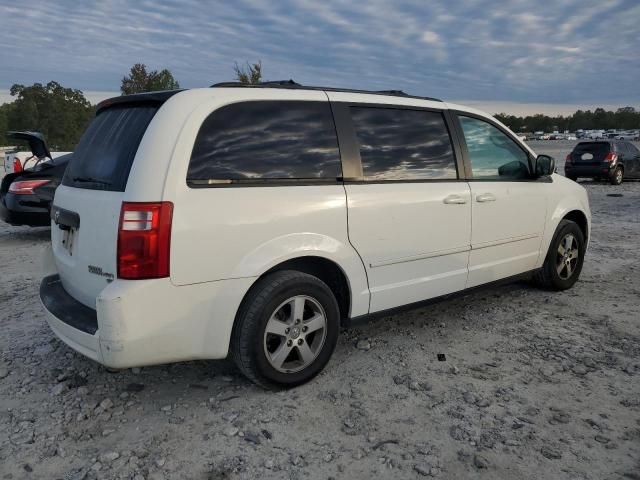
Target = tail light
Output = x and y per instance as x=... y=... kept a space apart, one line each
x=611 y=157
x=17 y=165
x=144 y=237
x=567 y=161
x=26 y=187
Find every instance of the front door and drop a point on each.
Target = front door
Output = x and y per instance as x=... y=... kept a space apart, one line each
x=508 y=206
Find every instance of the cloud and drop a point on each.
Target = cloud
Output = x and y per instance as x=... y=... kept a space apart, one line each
x=478 y=49
x=432 y=38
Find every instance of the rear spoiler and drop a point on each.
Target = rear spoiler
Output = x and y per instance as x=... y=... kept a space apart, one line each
x=156 y=98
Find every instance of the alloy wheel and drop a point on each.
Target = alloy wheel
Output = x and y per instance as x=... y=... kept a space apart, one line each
x=295 y=334
x=567 y=256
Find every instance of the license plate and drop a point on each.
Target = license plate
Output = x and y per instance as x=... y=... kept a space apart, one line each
x=68 y=236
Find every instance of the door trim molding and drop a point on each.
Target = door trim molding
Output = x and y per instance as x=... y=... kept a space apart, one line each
x=503 y=241
x=421 y=256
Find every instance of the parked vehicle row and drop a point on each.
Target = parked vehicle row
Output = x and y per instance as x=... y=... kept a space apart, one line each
x=256 y=220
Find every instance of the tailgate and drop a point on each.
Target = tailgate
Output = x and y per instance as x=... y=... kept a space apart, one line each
x=84 y=237
x=86 y=207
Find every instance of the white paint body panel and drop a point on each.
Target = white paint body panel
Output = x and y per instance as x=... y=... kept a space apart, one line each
x=414 y=246
x=507 y=231
x=396 y=243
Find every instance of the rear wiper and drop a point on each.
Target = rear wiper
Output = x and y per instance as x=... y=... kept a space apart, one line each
x=90 y=180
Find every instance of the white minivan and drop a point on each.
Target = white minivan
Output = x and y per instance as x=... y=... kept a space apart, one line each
x=255 y=221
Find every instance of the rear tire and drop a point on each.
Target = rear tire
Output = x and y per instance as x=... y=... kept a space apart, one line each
x=617 y=176
x=286 y=330
x=564 y=260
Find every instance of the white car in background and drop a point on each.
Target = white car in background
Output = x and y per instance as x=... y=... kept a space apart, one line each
x=255 y=221
x=626 y=136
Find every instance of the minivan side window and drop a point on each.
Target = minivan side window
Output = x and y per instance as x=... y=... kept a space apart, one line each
x=493 y=154
x=259 y=140
x=403 y=144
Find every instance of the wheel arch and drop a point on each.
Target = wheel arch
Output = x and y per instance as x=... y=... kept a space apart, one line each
x=568 y=208
x=335 y=262
x=327 y=270
x=580 y=218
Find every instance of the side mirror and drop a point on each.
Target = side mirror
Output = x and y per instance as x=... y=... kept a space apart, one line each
x=545 y=166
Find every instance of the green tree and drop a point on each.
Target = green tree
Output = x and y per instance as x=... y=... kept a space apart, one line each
x=249 y=74
x=140 y=80
x=5 y=108
x=61 y=114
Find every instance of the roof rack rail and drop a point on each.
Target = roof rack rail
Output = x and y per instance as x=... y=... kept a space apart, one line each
x=294 y=85
x=270 y=83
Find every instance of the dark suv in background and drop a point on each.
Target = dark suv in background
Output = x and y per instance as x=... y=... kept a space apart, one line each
x=610 y=159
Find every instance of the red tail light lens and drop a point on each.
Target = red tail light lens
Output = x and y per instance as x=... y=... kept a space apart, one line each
x=144 y=238
x=17 y=165
x=26 y=187
x=568 y=159
x=611 y=157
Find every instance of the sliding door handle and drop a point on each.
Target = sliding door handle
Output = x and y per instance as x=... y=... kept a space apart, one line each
x=485 y=197
x=454 y=200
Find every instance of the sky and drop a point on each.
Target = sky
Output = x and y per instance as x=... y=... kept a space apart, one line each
x=512 y=56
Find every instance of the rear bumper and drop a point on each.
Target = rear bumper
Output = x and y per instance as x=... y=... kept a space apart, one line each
x=589 y=171
x=146 y=322
x=13 y=212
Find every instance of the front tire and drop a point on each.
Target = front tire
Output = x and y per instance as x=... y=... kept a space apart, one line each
x=564 y=260
x=617 y=176
x=286 y=330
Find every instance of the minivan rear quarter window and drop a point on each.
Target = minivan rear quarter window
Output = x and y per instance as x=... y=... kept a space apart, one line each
x=261 y=141
x=102 y=159
x=403 y=144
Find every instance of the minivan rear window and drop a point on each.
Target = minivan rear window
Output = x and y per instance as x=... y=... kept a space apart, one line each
x=103 y=158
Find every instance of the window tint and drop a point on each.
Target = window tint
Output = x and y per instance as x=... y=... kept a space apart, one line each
x=632 y=149
x=493 y=154
x=590 y=151
x=266 y=140
x=398 y=144
x=103 y=157
x=622 y=148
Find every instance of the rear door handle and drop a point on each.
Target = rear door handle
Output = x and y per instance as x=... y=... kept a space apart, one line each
x=454 y=200
x=485 y=197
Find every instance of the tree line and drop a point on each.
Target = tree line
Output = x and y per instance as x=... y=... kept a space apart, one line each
x=626 y=118
x=62 y=114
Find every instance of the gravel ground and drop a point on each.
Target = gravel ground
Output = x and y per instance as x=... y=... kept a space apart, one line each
x=534 y=384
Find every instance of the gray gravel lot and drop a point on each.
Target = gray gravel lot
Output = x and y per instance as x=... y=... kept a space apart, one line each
x=536 y=384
